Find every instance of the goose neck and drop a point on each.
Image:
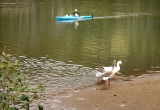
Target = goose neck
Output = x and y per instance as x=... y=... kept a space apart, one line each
x=118 y=65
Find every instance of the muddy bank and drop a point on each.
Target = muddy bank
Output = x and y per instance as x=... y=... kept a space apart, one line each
x=141 y=93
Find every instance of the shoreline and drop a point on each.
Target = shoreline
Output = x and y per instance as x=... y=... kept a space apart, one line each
x=141 y=93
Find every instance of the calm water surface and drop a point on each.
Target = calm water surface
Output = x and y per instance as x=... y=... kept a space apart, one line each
x=64 y=56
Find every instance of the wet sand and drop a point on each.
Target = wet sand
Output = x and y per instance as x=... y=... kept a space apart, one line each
x=141 y=93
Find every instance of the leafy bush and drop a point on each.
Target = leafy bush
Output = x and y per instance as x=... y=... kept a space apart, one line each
x=15 y=92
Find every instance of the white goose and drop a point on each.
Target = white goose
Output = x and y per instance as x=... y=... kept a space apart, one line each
x=117 y=69
x=109 y=74
x=106 y=75
x=103 y=70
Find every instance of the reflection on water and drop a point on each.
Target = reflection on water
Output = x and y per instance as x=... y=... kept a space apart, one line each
x=65 y=55
x=76 y=24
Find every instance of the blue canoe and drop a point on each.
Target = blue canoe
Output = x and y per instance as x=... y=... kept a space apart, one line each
x=71 y=21
x=71 y=17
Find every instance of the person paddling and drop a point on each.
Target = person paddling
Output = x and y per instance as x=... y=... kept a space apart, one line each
x=76 y=13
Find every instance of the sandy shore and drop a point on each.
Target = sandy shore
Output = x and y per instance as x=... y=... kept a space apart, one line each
x=138 y=94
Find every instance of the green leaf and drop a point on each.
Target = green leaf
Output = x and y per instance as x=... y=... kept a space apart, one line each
x=16 y=63
x=2 y=95
x=1 y=66
x=25 y=107
x=23 y=88
x=24 y=98
x=42 y=89
x=35 y=96
x=40 y=85
x=1 y=79
x=40 y=107
x=11 y=88
x=19 y=102
x=4 y=67
x=19 y=80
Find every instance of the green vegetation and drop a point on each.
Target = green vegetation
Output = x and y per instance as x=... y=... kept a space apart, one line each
x=15 y=92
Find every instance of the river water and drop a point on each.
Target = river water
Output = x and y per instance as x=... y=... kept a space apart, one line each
x=64 y=56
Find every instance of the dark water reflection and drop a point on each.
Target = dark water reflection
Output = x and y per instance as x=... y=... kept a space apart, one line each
x=61 y=56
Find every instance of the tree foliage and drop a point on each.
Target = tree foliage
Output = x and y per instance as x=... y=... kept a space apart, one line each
x=15 y=92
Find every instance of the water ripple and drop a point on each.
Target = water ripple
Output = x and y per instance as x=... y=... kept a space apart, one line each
x=57 y=76
x=121 y=15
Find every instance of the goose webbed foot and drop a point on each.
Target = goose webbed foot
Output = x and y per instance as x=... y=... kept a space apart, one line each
x=109 y=82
